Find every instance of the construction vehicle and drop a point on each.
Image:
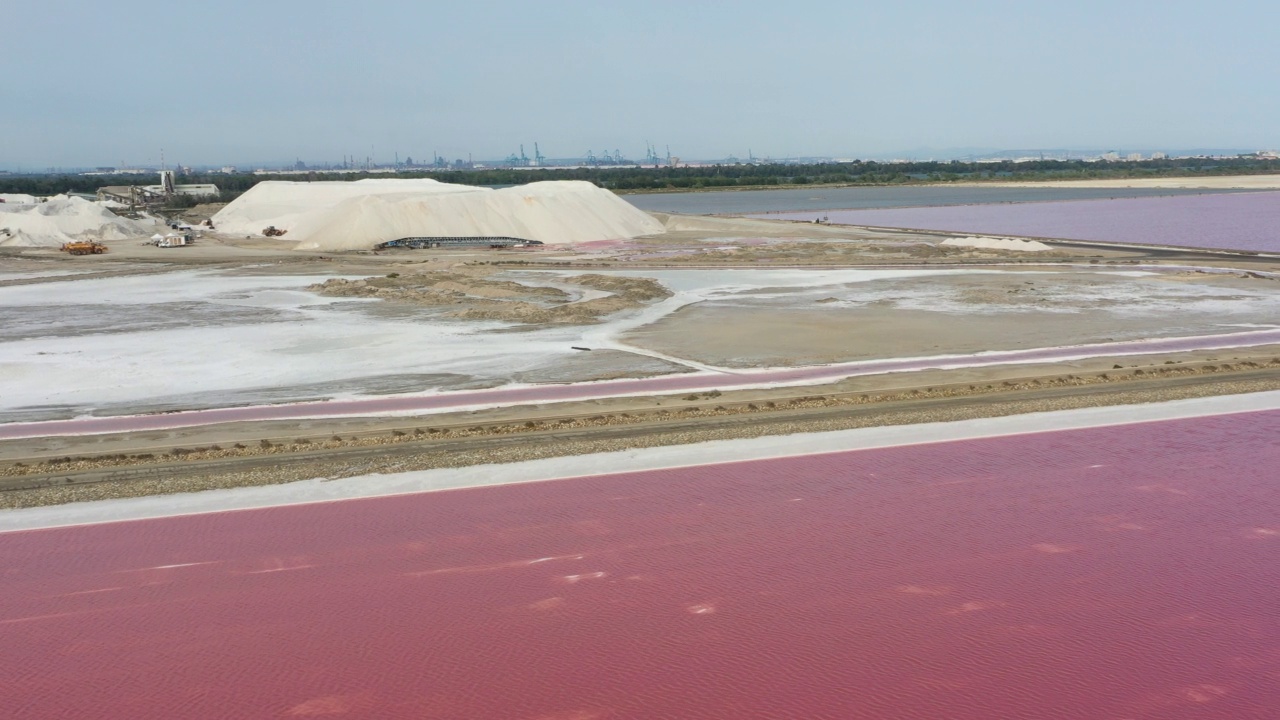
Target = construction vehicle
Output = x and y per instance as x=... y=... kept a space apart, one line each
x=84 y=247
x=170 y=241
x=272 y=231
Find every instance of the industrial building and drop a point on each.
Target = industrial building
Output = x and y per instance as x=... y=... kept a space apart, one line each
x=135 y=195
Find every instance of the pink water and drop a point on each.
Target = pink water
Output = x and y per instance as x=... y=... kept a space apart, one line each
x=1237 y=221
x=1122 y=572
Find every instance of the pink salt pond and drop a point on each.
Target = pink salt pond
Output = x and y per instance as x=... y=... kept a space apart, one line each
x=1117 y=572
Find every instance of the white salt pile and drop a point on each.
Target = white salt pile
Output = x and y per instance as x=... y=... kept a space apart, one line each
x=995 y=243
x=63 y=219
x=17 y=199
x=284 y=204
x=359 y=215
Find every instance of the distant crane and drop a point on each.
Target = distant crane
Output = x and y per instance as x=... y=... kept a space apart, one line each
x=650 y=154
x=538 y=158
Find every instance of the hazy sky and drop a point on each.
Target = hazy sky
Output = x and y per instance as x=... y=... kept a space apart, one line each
x=230 y=81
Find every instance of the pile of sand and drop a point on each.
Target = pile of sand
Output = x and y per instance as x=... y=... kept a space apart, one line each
x=995 y=243
x=17 y=199
x=358 y=215
x=63 y=219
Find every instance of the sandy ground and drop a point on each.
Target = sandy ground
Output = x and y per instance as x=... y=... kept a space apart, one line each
x=970 y=313
x=1224 y=182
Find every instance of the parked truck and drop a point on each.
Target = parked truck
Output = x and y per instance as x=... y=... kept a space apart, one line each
x=172 y=241
x=84 y=247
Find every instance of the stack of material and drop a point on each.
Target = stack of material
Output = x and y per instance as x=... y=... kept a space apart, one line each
x=61 y=220
x=356 y=216
x=997 y=243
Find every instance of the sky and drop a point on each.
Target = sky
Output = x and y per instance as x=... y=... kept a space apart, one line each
x=94 y=83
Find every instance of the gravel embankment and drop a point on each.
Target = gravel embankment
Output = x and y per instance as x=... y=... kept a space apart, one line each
x=402 y=452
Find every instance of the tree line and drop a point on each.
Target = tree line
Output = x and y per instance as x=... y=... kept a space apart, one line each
x=712 y=176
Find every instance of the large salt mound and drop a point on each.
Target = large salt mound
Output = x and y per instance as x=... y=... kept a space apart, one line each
x=994 y=243
x=284 y=204
x=63 y=219
x=356 y=216
x=18 y=239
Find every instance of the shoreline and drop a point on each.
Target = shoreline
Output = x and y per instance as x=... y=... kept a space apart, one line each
x=1261 y=181
x=516 y=434
x=713 y=452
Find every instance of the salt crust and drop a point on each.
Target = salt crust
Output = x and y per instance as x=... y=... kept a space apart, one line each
x=996 y=243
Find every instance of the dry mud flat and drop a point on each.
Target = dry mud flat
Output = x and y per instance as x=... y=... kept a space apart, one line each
x=469 y=297
x=957 y=313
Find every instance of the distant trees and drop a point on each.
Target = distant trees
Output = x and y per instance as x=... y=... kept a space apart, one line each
x=713 y=176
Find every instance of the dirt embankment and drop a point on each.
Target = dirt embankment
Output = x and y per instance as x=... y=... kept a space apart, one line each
x=477 y=298
x=693 y=418
x=842 y=252
x=703 y=404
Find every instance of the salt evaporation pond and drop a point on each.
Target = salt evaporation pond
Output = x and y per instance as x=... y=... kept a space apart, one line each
x=737 y=202
x=1236 y=221
x=1113 y=572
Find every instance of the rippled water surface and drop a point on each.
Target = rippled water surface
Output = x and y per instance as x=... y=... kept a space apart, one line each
x=1240 y=221
x=1118 y=572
